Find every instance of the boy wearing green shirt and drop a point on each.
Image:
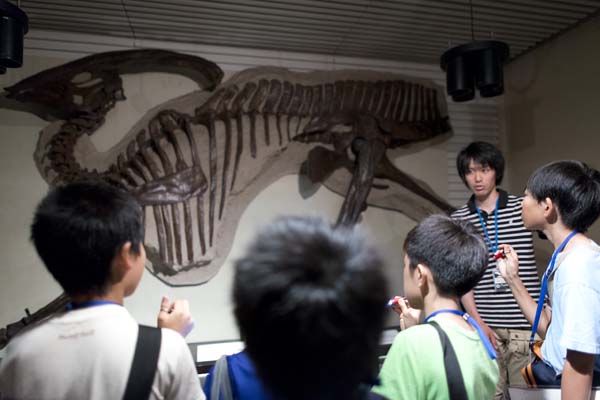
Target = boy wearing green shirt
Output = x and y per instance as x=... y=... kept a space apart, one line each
x=443 y=260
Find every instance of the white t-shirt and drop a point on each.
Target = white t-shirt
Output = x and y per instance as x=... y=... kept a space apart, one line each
x=87 y=354
x=575 y=301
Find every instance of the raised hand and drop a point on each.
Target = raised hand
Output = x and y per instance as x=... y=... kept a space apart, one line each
x=509 y=264
x=408 y=316
x=175 y=315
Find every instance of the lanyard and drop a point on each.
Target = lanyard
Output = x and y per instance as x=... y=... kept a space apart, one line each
x=538 y=311
x=484 y=339
x=493 y=247
x=91 y=303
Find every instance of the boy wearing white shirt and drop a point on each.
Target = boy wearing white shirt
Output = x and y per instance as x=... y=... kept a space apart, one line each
x=90 y=238
x=562 y=200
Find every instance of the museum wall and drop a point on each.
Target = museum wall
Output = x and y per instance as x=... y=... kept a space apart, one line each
x=552 y=109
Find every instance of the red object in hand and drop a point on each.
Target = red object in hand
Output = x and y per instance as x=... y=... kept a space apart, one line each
x=499 y=254
x=395 y=300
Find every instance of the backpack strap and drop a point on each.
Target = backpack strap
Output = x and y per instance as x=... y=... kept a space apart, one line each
x=145 y=362
x=456 y=384
x=220 y=388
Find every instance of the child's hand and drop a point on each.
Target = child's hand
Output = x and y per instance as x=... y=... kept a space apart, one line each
x=408 y=316
x=175 y=316
x=509 y=264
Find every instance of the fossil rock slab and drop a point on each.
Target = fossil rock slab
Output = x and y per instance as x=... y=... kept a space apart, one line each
x=197 y=161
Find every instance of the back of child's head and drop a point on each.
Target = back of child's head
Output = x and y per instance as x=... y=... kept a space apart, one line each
x=482 y=153
x=79 y=228
x=310 y=301
x=453 y=250
x=573 y=187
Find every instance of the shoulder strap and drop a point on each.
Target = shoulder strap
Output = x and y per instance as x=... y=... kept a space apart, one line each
x=456 y=384
x=221 y=385
x=145 y=361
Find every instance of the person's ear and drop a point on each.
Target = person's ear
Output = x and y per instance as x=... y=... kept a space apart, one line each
x=550 y=210
x=421 y=274
x=122 y=262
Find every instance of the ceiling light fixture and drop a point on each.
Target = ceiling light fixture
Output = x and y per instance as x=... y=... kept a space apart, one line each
x=478 y=64
x=14 y=24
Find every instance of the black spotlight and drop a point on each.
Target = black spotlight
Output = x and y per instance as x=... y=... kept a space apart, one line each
x=460 y=81
x=477 y=64
x=489 y=76
x=14 y=24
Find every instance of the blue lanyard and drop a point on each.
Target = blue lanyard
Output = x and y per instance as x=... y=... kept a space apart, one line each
x=493 y=247
x=484 y=339
x=92 y=303
x=540 y=305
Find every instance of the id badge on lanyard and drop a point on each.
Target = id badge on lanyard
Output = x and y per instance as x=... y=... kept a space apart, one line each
x=500 y=284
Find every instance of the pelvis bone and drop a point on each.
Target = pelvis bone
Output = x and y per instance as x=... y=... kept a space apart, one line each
x=196 y=162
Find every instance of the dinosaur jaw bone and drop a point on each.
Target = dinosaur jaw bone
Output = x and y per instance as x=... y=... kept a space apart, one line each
x=368 y=155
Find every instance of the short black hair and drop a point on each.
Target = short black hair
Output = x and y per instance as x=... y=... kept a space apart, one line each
x=481 y=153
x=453 y=251
x=309 y=300
x=78 y=229
x=575 y=189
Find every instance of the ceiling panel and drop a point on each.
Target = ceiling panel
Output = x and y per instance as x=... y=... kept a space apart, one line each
x=400 y=30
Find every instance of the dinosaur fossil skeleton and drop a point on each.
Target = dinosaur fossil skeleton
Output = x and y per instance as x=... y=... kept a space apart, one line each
x=197 y=161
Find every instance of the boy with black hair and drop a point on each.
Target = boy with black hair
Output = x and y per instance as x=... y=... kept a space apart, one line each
x=562 y=200
x=310 y=302
x=497 y=217
x=90 y=237
x=444 y=259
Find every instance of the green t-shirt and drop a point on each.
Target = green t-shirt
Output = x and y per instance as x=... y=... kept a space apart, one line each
x=414 y=366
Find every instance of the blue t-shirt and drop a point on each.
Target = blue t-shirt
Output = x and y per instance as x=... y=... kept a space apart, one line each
x=575 y=301
x=245 y=384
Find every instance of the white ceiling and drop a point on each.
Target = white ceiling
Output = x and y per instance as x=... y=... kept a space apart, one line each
x=401 y=30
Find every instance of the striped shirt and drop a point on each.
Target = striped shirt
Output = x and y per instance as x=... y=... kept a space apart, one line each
x=498 y=308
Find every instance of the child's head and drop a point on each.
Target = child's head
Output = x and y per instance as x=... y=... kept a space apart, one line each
x=481 y=154
x=572 y=187
x=310 y=301
x=452 y=250
x=78 y=229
